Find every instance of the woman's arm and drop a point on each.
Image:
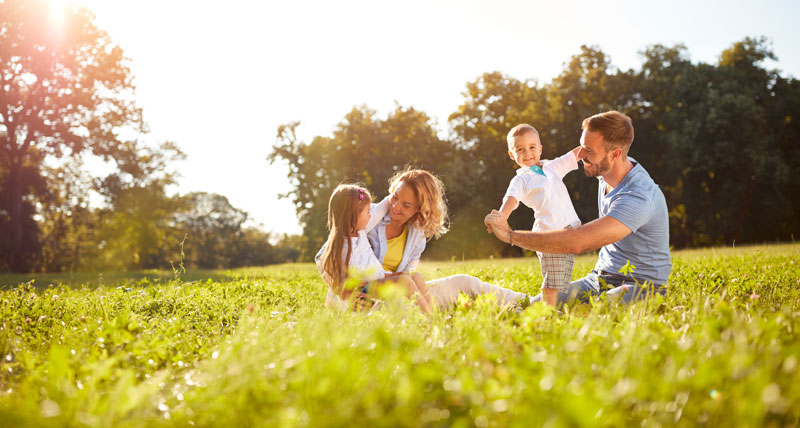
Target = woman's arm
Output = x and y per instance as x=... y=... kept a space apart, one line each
x=419 y=248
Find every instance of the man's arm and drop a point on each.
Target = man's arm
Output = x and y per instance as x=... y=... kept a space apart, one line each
x=590 y=236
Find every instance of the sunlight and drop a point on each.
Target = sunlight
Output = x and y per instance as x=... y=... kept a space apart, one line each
x=57 y=11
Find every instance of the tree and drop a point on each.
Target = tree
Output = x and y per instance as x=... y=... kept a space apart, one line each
x=67 y=224
x=213 y=227
x=65 y=88
x=492 y=105
x=137 y=228
x=589 y=84
x=363 y=149
x=718 y=138
x=27 y=227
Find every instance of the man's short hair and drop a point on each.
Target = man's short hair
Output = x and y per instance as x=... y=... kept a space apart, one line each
x=615 y=127
x=521 y=129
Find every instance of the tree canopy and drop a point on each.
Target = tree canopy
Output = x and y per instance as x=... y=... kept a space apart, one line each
x=720 y=140
x=66 y=92
x=65 y=88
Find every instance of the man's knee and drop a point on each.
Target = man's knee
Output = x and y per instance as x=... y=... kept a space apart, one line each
x=630 y=293
x=582 y=290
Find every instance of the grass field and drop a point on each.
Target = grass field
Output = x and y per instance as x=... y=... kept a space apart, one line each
x=255 y=347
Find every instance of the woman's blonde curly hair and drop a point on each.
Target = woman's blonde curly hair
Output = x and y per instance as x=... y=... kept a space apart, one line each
x=432 y=215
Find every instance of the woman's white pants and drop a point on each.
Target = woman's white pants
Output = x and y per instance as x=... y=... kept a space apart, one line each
x=444 y=292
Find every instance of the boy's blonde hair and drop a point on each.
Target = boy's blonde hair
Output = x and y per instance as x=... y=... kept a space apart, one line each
x=429 y=190
x=521 y=129
x=346 y=202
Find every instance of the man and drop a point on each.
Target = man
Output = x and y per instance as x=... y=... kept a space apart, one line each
x=633 y=224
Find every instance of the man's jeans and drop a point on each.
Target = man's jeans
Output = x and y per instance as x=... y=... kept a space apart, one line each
x=617 y=287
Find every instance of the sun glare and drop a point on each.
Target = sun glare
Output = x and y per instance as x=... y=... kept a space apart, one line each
x=58 y=9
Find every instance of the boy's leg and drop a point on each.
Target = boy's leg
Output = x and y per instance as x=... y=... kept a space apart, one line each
x=556 y=274
x=581 y=290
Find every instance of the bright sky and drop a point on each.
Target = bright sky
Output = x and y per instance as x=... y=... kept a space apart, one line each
x=219 y=77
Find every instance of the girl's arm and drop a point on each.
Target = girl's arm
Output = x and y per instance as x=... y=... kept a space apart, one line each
x=339 y=290
x=377 y=212
x=318 y=260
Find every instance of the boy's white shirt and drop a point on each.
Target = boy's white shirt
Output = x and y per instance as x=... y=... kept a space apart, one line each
x=362 y=259
x=546 y=194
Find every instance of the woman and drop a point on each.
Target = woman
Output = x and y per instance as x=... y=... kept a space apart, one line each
x=417 y=213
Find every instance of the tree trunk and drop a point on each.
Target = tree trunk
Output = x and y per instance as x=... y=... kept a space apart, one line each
x=15 y=261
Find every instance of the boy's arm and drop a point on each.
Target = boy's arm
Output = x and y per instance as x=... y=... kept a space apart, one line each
x=565 y=163
x=516 y=189
x=510 y=203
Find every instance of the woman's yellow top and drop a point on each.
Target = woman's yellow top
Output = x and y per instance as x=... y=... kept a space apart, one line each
x=394 y=251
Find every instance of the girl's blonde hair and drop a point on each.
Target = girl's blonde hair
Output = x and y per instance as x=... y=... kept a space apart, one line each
x=346 y=202
x=432 y=215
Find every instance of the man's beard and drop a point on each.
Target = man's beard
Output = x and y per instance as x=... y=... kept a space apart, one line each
x=598 y=169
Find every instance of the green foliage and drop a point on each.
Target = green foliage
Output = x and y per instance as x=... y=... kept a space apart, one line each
x=363 y=149
x=720 y=140
x=66 y=89
x=726 y=125
x=212 y=225
x=68 y=233
x=67 y=93
x=255 y=347
x=216 y=235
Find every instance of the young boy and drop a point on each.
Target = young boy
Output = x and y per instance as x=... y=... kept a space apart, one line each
x=538 y=185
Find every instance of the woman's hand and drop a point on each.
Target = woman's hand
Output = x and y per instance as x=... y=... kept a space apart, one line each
x=363 y=302
x=392 y=274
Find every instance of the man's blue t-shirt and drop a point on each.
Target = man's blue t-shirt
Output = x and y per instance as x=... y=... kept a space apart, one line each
x=639 y=204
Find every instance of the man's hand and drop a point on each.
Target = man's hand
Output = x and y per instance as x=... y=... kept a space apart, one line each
x=497 y=224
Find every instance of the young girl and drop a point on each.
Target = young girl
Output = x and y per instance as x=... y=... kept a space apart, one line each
x=350 y=215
